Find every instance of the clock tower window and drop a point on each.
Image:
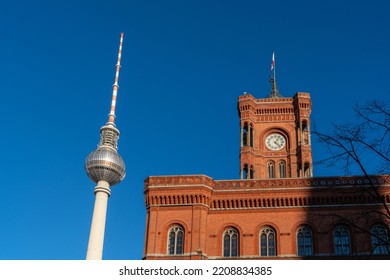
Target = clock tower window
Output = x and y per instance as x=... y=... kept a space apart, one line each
x=305 y=133
x=282 y=169
x=251 y=173
x=306 y=170
x=247 y=135
x=248 y=172
x=271 y=169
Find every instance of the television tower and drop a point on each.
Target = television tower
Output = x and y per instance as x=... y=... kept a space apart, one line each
x=106 y=168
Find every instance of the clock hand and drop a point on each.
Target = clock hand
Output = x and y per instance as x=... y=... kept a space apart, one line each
x=277 y=144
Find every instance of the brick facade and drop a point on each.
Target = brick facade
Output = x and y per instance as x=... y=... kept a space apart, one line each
x=269 y=213
x=205 y=208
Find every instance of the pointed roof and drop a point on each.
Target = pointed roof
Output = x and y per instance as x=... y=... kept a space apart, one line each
x=274 y=91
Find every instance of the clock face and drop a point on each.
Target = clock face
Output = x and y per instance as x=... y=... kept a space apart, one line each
x=275 y=142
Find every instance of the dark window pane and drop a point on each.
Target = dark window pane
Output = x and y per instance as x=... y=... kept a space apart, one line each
x=226 y=246
x=304 y=242
x=234 y=246
x=379 y=240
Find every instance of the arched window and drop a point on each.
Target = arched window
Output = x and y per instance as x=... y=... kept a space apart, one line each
x=248 y=172
x=271 y=169
x=244 y=139
x=306 y=170
x=304 y=125
x=305 y=133
x=379 y=240
x=251 y=135
x=267 y=242
x=304 y=242
x=176 y=240
x=247 y=132
x=230 y=243
x=244 y=173
x=251 y=172
x=282 y=169
x=341 y=241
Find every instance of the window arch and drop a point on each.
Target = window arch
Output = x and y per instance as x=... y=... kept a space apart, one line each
x=230 y=243
x=282 y=169
x=271 y=169
x=267 y=242
x=379 y=240
x=341 y=241
x=176 y=240
x=304 y=241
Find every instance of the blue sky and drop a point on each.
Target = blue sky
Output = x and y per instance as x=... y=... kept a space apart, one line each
x=184 y=65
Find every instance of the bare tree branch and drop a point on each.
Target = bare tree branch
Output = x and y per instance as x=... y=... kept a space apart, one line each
x=353 y=145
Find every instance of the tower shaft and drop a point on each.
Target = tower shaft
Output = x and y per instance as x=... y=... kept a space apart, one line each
x=96 y=236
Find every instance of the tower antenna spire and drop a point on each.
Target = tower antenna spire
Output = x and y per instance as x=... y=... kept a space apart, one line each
x=115 y=86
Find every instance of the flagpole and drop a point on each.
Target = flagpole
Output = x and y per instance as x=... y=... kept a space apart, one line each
x=274 y=91
x=273 y=57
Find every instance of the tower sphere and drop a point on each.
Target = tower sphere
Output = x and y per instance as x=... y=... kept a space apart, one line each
x=105 y=164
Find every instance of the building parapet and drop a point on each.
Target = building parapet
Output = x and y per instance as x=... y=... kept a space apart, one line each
x=301 y=182
x=271 y=193
x=276 y=183
x=183 y=180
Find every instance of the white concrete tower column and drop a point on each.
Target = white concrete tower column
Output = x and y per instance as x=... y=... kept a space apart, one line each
x=106 y=168
x=96 y=236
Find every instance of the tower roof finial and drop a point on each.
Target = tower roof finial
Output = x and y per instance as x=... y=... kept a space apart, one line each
x=274 y=90
x=115 y=86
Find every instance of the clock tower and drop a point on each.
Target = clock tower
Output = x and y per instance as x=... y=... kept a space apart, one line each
x=275 y=135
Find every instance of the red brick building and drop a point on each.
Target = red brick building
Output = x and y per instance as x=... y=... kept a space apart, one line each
x=276 y=209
